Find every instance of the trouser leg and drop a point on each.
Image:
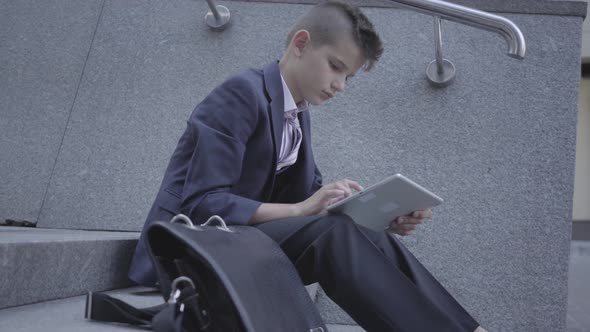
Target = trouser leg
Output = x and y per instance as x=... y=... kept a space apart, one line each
x=373 y=278
x=407 y=263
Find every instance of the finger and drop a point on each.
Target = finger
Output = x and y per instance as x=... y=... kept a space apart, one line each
x=408 y=228
x=353 y=184
x=344 y=187
x=332 y=185
x=418 y=215
x=403 y=227
x=399 y=232
x=423 y=214
x=334 y=200
x=349 y=185
x=413 y=221
x=407 y=220
x=333 y=194
x=393 y=224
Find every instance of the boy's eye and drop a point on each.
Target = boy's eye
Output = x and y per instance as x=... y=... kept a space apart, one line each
x=334 y=66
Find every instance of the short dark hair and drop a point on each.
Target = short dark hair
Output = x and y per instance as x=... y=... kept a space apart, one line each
x=327 y=20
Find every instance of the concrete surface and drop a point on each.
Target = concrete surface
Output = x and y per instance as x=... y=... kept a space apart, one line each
x=558 y=7
x=497 y=145
x=43 y=50
x=41 y=264
x=67 y=314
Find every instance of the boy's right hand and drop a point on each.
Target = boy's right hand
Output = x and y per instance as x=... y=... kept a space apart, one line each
x=326 y=196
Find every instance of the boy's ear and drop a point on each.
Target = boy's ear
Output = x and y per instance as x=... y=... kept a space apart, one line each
x=301 y=40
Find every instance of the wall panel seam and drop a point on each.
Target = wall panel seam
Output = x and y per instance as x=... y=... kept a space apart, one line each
x=70 y=112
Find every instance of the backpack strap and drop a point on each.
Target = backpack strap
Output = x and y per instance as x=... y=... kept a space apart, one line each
x=181 y=312
x=104 y=308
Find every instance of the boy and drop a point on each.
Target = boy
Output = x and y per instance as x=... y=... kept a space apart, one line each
x=246 y=156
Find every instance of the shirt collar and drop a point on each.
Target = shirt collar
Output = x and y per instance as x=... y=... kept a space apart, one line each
x=289 y=101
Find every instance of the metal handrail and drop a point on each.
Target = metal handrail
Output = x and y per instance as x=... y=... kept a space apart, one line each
x=217 y=17
x=472 y=17
x=438 y=45
x=441 y=71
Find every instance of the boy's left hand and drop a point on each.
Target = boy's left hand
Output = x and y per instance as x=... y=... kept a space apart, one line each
x=405 y=225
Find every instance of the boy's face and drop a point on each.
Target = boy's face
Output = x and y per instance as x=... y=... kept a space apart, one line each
x=322 y=71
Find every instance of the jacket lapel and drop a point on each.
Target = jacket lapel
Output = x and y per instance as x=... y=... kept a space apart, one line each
x=274 y=88
x=305 y=155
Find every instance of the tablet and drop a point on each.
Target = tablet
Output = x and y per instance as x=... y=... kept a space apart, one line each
x=376 y=206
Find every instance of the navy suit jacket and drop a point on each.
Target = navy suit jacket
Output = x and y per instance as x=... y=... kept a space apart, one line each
x=225 y=161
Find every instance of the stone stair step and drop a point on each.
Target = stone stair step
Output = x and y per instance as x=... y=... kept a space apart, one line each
x=45 y=264
x=331 y=312
x=67 y=315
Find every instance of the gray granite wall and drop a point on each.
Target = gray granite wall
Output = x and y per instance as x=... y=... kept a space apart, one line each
x=90 y=118
x=43 y=49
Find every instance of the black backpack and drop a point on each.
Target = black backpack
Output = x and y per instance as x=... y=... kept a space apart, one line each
x=216 y=278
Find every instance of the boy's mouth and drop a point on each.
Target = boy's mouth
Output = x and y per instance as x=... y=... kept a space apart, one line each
x=328 y=95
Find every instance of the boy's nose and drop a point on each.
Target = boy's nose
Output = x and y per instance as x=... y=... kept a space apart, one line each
x=338 y=85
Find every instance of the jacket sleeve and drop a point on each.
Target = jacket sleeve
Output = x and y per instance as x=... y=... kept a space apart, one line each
x=220 y=127
x=317 y=181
